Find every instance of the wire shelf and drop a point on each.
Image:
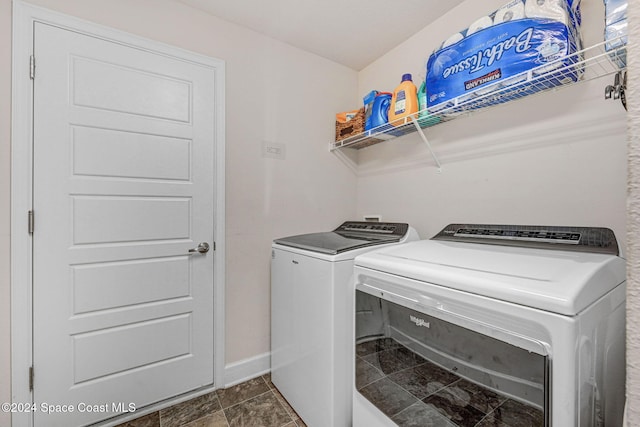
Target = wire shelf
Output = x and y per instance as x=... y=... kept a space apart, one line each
x=597 y=61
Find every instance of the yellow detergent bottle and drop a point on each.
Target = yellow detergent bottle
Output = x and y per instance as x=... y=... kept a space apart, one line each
x=404 y=101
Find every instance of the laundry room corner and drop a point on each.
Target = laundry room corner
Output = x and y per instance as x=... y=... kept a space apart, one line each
x=558 y=158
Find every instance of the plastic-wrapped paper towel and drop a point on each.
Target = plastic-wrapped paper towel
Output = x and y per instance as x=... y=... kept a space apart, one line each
x=616 y=30
x=616 y=34
x=615 y=10
x=520 y=40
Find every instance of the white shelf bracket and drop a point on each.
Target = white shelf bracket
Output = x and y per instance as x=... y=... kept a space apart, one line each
x=426 y=141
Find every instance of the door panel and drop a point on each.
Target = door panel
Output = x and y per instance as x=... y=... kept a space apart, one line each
x=113 y=219
x=98 y=152
x=92 y=350
x=123 y=188
x=125 y=89
x=107 y=285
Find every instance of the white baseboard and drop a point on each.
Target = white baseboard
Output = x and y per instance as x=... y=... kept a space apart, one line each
x=238 y=372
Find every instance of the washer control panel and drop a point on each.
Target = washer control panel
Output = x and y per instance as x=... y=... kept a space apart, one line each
x=385 y=228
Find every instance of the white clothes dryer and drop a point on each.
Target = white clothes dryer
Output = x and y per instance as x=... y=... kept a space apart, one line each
x=312 y=316
x=492 y=325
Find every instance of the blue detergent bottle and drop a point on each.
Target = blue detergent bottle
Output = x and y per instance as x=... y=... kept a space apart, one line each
x=380 y=109
x=368 y=107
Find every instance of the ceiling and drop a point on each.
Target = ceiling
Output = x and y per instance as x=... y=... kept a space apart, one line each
x=352 y=32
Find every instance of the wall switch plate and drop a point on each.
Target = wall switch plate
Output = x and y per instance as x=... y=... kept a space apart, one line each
x=273 y=150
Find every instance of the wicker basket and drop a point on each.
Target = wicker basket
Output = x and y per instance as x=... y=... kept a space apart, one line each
x=351 y=127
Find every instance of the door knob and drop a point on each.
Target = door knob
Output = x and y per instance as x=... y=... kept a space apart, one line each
x=202 y=248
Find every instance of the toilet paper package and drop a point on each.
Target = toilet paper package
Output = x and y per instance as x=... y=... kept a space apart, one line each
x=615 y=32
x=519 y=41
x=615 y=36
x=615 y=10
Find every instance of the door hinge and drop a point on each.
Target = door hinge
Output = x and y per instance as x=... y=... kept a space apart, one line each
x=31 y=378
x=32 y=67
x=31 y=221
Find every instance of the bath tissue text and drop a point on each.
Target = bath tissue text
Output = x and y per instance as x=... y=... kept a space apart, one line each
x=476 y=62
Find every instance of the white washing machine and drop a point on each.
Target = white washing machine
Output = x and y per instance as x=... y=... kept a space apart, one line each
x=487 y=325
x=311 y=316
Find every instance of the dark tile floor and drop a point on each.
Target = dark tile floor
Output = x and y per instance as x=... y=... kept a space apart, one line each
x=414 y=392
x=410 y=390
x=254 y=403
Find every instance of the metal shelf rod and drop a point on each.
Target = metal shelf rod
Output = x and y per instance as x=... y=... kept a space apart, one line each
x=426 y=141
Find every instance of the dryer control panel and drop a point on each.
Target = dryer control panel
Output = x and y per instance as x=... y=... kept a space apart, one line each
x=581 y=239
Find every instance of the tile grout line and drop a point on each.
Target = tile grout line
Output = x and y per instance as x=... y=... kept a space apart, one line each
x=292 y=419
x=246 y=400
x=265 y=381
x=221 y=409
x=386 y=376
x=369 y=383
x=449 y=420
x=242 y=401
x=492 y=411
x=271 y=389
x=428 y=395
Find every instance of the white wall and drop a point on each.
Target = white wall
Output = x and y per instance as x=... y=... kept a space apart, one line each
x=633 y=221
x=5 y=187
x=275 y=93
x=557 y=158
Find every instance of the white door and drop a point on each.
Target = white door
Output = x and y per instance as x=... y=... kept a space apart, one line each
x=123 y=189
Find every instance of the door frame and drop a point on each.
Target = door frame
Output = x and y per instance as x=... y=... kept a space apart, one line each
x=24 y=17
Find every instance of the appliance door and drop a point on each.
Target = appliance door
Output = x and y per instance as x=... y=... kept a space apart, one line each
x=432 y=361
